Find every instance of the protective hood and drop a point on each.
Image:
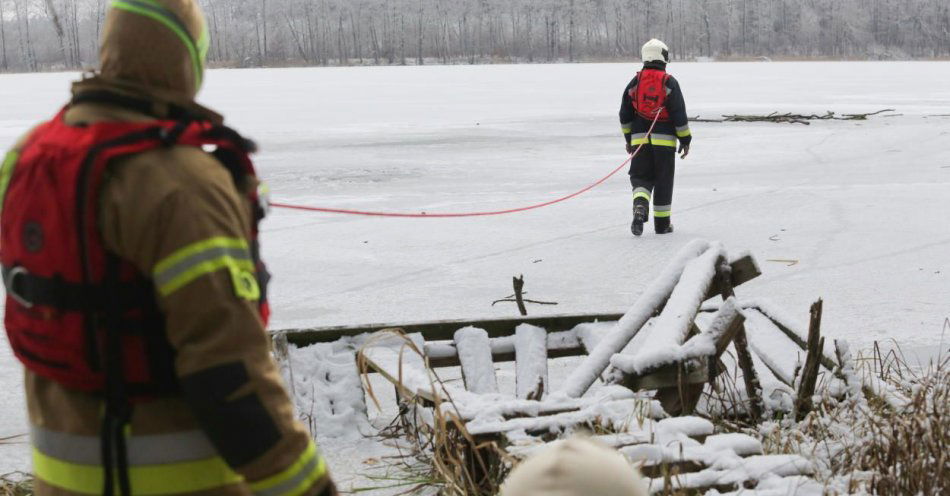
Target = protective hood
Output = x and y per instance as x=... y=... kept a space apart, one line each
x=157 y=45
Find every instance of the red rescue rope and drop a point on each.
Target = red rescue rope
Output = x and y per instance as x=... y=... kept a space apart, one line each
x=470 y=214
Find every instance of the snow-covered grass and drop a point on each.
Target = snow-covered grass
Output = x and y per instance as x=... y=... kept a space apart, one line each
x=864 y=445
x=16 y=485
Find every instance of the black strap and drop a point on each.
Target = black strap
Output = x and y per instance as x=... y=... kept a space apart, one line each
x=69 y=297
x=118 y=409
x=90 y=317
x=140 y=105
x=106 y=432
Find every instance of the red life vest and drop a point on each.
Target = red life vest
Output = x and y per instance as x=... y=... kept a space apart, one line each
x=65 y=292
x=649 y=97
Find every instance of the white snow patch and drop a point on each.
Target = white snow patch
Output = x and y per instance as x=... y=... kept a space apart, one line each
x=327 y=389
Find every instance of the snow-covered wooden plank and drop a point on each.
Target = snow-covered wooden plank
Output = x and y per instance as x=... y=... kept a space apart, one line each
x=740 y=444
x=591 y=334
x=650 y=431
x=733 y=472
x=498 y=406
x=676 y=319
x=647 y=305
x=478 y=370
x=744 y=269
x=631 y=437
x=779 y=354
x=614 y=414
x=711 y=342
x=793 y=330
x=531 y=363
x=797 y=485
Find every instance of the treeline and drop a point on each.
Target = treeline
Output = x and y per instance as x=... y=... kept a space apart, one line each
x=60 y=34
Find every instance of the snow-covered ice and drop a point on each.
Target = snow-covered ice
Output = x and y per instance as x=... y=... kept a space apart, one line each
x=861 y=206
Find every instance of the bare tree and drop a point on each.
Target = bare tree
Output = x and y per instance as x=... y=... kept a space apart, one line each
x=3 y=38
x=67 y=51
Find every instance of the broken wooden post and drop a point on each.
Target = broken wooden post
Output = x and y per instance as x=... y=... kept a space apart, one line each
x=682 y=398
x=751 y=379
x=816 y=345
x=281 y=350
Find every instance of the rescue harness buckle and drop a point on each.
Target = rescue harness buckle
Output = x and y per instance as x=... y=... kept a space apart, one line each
x=9 y=282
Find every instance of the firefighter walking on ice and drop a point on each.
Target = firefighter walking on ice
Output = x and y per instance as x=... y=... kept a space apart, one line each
x=654 y=95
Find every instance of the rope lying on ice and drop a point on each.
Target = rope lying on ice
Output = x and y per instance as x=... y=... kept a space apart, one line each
x=369 y=213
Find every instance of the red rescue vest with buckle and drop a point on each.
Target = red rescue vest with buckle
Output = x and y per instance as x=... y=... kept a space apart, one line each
x=649 y=97
x=65 y=292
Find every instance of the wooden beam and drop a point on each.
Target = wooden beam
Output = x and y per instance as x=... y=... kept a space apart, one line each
x=743 y=355
x=744 y=269
x=444 y=330
x=697 y=366
x=669 y=377
x=453 y=361
x=826 y=361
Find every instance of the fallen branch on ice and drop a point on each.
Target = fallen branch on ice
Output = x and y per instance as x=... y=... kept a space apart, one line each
x=791 y=118
x=518 y=297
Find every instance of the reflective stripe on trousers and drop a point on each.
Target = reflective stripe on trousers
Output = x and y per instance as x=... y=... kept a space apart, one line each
x=641 y=193
x=181 y=462
x=654 y=139
x=175 y=463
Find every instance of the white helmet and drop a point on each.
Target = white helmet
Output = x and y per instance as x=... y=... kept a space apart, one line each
x=575 y=467
x=655 y=51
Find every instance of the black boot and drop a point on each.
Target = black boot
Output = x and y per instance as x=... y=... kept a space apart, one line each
x=663 y=227
x=640 y=209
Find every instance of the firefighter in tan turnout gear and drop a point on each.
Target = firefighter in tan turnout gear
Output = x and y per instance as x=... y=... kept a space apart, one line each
x=135 y=295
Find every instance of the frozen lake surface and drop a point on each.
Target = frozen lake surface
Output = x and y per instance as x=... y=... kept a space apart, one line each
x=861 y=206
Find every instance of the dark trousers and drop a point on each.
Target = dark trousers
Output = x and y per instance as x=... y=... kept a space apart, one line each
x=651 y=175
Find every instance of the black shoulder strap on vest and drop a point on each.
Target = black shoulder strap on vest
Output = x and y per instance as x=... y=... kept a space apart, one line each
x=173 y=112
